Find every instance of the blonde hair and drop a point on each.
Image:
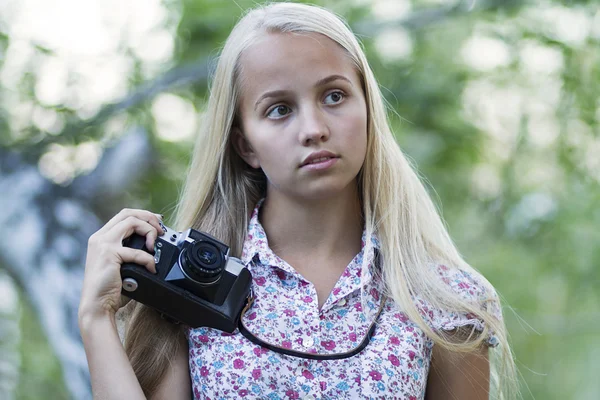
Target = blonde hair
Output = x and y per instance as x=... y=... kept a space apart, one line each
x=221 y=191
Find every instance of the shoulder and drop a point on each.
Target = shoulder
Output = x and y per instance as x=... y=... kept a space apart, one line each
x=471 y=302
x=469 y=285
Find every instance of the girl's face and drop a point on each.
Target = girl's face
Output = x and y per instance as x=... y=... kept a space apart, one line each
x=303 y=116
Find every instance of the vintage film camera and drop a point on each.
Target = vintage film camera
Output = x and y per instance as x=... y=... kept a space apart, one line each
x=197 y=283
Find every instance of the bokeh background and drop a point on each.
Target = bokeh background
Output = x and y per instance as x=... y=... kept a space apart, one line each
x=496 y=101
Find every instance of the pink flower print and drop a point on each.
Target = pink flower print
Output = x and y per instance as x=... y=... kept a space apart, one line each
x=358 y=306
x=352 y=336
x=203 y=338
x=289 y=313
x=403 y=318
x=375 y=293
x=411 y=355
x=307 y=374
x=394 y=360
x=256 y=373
x=286 y=344
x=238 y=363
x=395 y=341
x=203 y=371
x=243 y=393
x=252 y=316
x=337 y=290
x=323 y=385
x=260 y=281
x=281 y=274
x=307 y=299
x=375 y=375
x=328 y=344
x=292 y=394
x=463 y=285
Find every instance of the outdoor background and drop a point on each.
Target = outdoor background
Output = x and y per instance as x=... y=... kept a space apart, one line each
x=497 y=102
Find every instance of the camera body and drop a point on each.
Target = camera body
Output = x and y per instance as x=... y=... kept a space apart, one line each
x=197 y=283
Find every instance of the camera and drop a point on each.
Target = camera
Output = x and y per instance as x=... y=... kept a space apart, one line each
x=197 y=283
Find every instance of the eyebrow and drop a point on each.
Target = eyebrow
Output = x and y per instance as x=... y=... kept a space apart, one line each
x=320 y=82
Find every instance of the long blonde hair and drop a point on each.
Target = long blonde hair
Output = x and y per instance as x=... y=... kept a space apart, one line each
x=221 y=190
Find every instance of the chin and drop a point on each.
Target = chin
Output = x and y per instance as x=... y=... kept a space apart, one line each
x=332 y=190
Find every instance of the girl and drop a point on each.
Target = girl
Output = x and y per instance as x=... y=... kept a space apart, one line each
x=354 y=275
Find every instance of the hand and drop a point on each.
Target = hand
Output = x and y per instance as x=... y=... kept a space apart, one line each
x=101 y=293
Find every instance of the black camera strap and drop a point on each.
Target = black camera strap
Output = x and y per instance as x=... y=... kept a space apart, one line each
x=312 y=356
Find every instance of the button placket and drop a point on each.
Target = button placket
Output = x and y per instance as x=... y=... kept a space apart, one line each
x=310 y=318
x=308 y=342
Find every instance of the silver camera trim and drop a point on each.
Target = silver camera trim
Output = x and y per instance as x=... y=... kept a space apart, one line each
x=233 y=265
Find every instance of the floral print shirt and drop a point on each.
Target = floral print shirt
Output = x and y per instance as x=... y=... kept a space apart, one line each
x=285 y=313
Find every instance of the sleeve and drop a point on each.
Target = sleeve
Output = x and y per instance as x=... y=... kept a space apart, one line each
x=471 y=288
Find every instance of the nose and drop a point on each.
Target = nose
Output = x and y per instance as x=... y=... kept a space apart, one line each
x=313 y=127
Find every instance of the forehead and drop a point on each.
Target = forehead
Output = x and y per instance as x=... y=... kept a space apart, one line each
x=288 y=60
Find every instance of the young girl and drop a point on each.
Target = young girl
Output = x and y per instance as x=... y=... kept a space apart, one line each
x=354 y=274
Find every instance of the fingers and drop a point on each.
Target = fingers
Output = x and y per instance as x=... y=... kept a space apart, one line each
x=144 y=215
x=132 y=225
x=140 y=257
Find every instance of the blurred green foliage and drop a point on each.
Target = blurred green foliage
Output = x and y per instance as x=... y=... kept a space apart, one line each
x=497 y=102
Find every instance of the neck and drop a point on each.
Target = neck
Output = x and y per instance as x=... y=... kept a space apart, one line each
x=324 y=228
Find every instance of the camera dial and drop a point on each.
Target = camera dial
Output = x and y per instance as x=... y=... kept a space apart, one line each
x=202 y=262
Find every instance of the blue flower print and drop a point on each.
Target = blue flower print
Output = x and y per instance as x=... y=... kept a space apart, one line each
x=218 y=364
x=272 y=315
x=270 y=289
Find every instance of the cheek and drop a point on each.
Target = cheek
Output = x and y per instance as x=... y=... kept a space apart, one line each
x=356 y=126
x=272 y=155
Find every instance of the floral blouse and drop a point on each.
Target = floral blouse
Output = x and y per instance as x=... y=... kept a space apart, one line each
x=285 y=313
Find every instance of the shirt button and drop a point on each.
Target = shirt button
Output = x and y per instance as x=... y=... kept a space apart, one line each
x=342 y=302
x=309 y=397
x=308 y=342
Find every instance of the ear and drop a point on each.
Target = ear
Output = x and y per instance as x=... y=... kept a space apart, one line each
x=243 y=148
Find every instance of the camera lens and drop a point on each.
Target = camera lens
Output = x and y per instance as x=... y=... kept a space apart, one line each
x=203 y=262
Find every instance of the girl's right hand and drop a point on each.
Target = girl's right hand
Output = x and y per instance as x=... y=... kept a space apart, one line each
x=101 y=292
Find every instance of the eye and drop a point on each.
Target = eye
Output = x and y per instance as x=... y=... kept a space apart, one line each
x=334 y=97
x=278 y=111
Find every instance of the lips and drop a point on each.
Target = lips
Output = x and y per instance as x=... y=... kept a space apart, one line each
x=318 y=157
